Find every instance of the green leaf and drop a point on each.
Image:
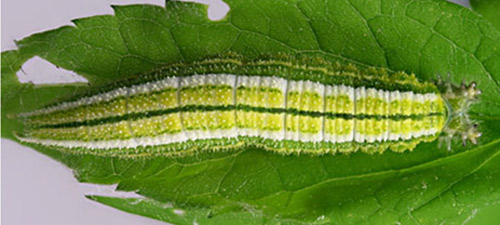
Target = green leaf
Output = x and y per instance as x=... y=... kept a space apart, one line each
x=427 y=186
x=166 y=212
x=489 y=9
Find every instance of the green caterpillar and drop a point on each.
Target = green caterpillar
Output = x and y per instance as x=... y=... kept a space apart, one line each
x=280 y=104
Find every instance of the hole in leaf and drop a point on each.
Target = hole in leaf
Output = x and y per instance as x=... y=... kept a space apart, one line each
x=179 y=212
x=107 y=190
x=40 y=71
x=217 y=9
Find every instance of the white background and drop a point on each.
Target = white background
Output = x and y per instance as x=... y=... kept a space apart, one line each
x=37 y=190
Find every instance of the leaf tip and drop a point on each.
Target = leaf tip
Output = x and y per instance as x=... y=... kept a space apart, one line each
x=92 y=197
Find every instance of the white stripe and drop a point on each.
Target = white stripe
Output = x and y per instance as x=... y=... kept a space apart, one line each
x=216 y=79
x=203 y=134
x=170 y=82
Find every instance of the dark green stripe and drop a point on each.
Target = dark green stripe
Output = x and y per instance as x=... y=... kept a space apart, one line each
x=201 y=108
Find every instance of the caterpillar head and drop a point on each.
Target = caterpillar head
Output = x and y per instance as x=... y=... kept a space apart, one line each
x=459 y=99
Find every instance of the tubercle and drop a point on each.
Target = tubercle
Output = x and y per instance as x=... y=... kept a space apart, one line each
x=458 y=100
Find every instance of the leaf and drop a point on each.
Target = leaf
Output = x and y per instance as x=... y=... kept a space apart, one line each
x=428 y=185
x=489 y=9
x=167 y=212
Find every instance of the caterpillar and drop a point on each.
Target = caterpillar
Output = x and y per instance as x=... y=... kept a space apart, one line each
x=283 y=104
